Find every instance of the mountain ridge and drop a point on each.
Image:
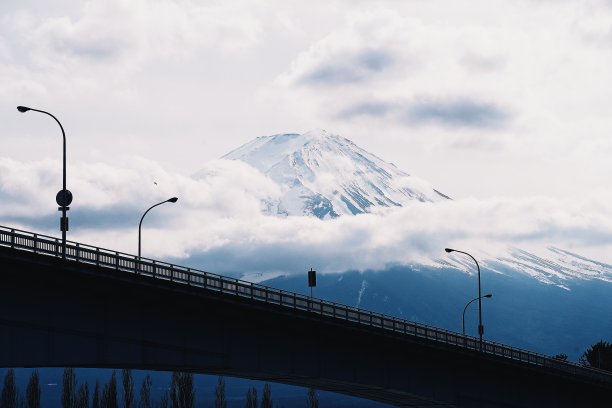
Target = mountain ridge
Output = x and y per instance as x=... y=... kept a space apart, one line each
x=326 y=175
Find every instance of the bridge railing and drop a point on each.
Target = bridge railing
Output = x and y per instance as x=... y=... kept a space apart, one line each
x=45 y=245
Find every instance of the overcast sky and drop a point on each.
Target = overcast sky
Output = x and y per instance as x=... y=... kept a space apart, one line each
x=490 y=101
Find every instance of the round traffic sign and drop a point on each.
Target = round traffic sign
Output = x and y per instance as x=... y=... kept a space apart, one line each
x=63 y=198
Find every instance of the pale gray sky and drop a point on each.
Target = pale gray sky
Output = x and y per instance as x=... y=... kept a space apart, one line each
x=484 y=99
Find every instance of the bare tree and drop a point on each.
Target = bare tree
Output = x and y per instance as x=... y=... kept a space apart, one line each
x=109 y=394
x=128 y=388
x=69 y=388
x=33 y=391
x=266 y=397
x=95 y=403
x=145 y=392
x=182 y=390
x=220 y=400
x=82 y=396
x=312 y=399
x=9 y=398
x=251 y=398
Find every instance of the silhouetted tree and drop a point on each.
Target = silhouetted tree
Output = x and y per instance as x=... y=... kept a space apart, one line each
x=145 y=392
x=562 y=357
x=128 y=388
x=33 y=391
x=251 y=398
x=69 y=388
x=95 y=403
x=109 y=393
x=82 y=396
x=266 y=397
x=9 y=398
x=599 y=355
x=312 y=399
x=220 y=401
x=182 y=390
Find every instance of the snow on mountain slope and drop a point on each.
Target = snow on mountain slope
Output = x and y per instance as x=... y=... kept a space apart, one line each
x=326 y=175
x=554 y=266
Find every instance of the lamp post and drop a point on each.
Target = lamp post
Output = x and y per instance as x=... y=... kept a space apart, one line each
x=170 y=200
x=63 y=197
x=489 y=295
x=479 y=298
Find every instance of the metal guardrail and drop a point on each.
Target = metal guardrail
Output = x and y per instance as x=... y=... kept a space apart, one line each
x=46 y=245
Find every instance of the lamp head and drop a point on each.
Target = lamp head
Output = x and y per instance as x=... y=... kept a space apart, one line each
x=172 y=200
x=23 y=108
x=488 y=295
x=448 y=250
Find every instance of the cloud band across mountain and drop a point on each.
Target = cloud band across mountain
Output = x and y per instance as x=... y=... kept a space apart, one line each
x=218 y=224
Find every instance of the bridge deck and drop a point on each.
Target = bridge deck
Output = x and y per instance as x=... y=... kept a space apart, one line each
x=131 y=264
x=160 y=276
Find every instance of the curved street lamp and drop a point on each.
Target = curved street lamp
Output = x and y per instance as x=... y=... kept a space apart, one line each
x=489 y=295
x=479 y=298
x=63 y=197
x=170 y=200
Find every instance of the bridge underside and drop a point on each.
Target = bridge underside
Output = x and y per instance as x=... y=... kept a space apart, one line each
x=56 y=314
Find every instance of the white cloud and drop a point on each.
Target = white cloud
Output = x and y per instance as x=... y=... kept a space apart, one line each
x=217 y=224
x=184 y=82
x=368 y=46
x=500 y=79
x=121 y=36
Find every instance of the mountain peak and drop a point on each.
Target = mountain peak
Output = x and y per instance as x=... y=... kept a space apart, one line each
x=318 y=134
x=321 y=135
x=326 y=175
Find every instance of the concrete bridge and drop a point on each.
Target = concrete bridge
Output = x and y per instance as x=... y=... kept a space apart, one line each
x=101 y=308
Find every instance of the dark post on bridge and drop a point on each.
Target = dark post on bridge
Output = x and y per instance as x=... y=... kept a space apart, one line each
x=312 y=280
x=64 y=196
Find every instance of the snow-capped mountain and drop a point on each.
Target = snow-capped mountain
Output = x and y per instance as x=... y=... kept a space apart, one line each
x=326 y=175
x=548 y=300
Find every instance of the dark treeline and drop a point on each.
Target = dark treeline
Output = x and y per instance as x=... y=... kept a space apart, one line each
x=180 y=393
